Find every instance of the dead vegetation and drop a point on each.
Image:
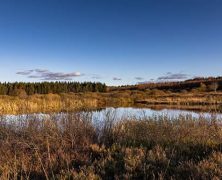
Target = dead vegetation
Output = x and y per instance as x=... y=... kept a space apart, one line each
x=75 y=101
x=73 y=146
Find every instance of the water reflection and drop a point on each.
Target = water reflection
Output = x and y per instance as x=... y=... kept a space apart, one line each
x=114 y=113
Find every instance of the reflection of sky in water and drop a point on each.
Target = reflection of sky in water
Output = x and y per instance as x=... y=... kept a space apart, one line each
x=138 y=113
x=115 y=113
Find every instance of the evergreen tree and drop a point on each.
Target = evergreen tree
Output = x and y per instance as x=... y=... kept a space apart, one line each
x=50 y=87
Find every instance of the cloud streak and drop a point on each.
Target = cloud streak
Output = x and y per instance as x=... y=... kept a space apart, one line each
x=167 y=77
x=173 y=76
x=96 y=76
x=28 y=72
x=46 y=75
x=139 y=78
x=117 y=79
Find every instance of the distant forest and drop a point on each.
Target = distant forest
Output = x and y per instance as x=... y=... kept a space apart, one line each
x=205 y=84
x=49 y=87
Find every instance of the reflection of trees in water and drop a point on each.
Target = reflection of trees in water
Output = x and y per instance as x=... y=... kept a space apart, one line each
x=214 y=108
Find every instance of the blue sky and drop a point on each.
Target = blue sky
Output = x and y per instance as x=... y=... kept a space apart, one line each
x=112 y=41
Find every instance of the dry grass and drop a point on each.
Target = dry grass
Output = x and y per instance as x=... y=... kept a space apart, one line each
x=46 y=103
x=76 y=101
x=74 y=147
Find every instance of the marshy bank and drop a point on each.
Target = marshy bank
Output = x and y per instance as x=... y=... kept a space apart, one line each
x=93 y=100
x=74 y=146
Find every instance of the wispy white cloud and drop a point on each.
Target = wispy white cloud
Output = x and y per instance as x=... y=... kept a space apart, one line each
x=169 y=76
x=96 y=76
x=173 y=76
x=44 y=74
x=117 y=79
x=139 y=78
x=27 y=72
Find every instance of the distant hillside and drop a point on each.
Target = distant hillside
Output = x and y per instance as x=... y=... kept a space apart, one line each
x=209 y=84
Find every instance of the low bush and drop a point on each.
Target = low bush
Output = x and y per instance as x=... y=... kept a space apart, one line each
x=74 y=146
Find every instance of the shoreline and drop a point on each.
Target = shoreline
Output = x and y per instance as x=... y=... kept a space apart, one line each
x=205 y=102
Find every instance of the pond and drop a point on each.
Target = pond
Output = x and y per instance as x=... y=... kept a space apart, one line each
x=117 y=114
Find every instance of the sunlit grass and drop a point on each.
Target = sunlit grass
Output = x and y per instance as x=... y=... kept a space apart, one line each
x=75 y=101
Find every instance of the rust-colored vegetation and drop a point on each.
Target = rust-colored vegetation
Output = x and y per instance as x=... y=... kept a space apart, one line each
x=75 y=147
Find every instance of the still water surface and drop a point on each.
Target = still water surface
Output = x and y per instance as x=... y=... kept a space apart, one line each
x=118 y=114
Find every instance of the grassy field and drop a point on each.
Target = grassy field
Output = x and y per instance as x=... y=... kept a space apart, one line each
x=74 y=147
x=75 y=101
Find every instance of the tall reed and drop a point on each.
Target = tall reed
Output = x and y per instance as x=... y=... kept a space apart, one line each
x=74 y=145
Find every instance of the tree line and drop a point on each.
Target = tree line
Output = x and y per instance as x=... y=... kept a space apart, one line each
x=50 y=87
x=208 y=84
